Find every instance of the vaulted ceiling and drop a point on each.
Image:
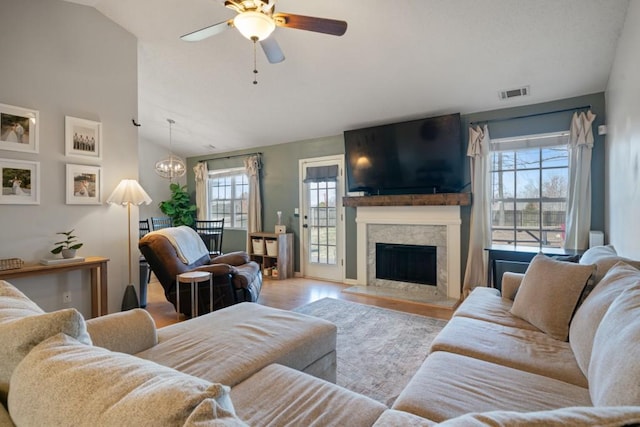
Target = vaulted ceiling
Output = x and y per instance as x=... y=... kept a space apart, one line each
x=399 y=60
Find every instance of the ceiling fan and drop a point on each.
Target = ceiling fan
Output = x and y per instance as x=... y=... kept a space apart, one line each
x=257 y=19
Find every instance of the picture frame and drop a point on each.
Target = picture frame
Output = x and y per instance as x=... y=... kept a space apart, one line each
x=20 y=182
x=83 y=138
x=84 y=185
x=19 y=129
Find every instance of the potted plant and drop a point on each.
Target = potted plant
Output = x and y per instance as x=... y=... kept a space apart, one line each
x=179 y=208
x=68 y=246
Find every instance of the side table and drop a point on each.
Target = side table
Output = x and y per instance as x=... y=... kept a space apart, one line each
x=193 y=278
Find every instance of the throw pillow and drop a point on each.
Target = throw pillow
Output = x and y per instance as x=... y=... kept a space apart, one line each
x=20 y=335
x=62 y=382
x=588 y=316
x=614 y=371
x=549 y=293
x=593 y=254
x=14 y=304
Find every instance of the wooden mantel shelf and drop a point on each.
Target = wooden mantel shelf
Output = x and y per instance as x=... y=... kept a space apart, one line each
x=440 y=199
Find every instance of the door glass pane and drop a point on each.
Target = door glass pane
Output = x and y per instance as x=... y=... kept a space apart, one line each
x=322 y=222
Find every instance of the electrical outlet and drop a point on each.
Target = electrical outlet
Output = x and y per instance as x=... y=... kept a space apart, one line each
x=66 y=297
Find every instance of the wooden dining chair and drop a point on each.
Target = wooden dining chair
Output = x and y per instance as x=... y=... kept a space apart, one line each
x=159 y=223
x=211 y=233
x=144 y=227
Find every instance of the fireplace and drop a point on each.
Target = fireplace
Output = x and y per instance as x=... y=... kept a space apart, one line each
x=407 y=263
x=437 y=226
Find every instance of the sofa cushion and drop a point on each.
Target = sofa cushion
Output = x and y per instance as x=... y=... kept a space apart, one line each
x=281 y=396
x=64 y=382
x=549 y=293
x=15 y=304
x=574 y=416
x=448 y=385
x=487 y=304
x=588 y=316
x=231 y=344
x=393 y=418
x=614 y=371
x=20 y=335
x=530 y=351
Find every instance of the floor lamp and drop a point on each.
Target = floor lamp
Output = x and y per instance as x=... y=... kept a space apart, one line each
x=129 y=192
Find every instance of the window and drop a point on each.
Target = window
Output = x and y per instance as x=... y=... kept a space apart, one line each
x=229 y=197
x=529 y=182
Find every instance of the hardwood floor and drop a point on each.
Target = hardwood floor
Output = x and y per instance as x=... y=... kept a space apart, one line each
x=291 y=293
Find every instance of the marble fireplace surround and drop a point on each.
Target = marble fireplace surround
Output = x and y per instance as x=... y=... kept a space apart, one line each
x=417 y=225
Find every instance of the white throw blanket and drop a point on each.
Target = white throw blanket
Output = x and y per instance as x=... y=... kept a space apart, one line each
x=186 y=241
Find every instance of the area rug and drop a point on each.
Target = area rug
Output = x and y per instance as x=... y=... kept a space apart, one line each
x=378 y=350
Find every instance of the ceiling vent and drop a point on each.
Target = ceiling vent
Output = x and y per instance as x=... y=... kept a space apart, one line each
x=514 y=93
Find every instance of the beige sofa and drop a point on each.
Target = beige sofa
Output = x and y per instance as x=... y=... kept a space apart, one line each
x=500 y=361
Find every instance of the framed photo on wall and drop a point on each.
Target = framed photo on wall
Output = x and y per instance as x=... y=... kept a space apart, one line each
x=18 y=129
x=83 y=138
x=84 y=185
x=20 y=182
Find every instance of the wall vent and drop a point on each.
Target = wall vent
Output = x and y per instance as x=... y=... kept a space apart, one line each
x=514 y=93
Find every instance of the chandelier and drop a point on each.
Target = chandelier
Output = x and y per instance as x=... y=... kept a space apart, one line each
x=173 y=166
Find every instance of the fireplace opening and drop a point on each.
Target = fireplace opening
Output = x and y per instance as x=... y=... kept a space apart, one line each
x=407 y=263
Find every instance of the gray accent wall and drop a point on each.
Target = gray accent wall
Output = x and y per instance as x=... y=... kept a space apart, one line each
x=64 y=59
x=280 y=169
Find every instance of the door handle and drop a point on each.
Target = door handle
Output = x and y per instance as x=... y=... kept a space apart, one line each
x=305 y=226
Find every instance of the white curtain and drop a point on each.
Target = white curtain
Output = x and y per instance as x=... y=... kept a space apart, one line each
x=578 y=221
x=254 y=220
x=202 y=193
x=479 y=234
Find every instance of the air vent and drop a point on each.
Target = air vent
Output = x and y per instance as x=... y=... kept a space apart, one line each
x=514 y=93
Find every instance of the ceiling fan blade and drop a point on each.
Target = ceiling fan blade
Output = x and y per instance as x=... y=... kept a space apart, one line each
x=207 y=32
x=310 y=23
x=272 y=50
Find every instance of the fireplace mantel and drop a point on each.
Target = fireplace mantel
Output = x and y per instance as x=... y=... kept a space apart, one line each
x=439 y=199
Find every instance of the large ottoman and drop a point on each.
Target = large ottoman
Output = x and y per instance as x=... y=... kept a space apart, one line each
x=230 y=345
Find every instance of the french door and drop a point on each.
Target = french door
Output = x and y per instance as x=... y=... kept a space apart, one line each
x=322 y=218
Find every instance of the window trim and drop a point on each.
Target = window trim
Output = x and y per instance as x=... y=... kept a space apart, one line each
x=222 y=173
x=513 y=145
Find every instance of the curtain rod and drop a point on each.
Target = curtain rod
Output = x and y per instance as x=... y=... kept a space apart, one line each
x=231 y=157
x=530 y=115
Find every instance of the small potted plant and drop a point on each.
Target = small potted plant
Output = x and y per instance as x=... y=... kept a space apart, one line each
x=68 y=246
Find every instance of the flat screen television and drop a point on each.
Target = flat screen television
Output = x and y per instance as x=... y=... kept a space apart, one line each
x=414 y=157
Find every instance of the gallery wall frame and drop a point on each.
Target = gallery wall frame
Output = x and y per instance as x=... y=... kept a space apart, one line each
x=19 y=129
x=83 y=185
x=20 y=182
x=83 y=138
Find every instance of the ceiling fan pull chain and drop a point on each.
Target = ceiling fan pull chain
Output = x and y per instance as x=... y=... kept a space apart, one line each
x=255 y=66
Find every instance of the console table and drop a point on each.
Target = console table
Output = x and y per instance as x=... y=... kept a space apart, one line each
x=97 y=265
x=516 y=259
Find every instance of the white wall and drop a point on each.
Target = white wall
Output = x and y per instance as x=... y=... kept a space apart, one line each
x=157 y=187
x=623 y=140
x=66 y=59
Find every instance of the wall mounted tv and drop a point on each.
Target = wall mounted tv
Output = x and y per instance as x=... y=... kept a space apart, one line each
x=413 y=157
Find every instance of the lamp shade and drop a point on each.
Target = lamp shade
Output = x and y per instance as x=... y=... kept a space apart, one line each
x=254 y=25
x=129 y=192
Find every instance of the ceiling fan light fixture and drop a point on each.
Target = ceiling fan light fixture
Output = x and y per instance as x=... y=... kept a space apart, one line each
x=254 y=25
